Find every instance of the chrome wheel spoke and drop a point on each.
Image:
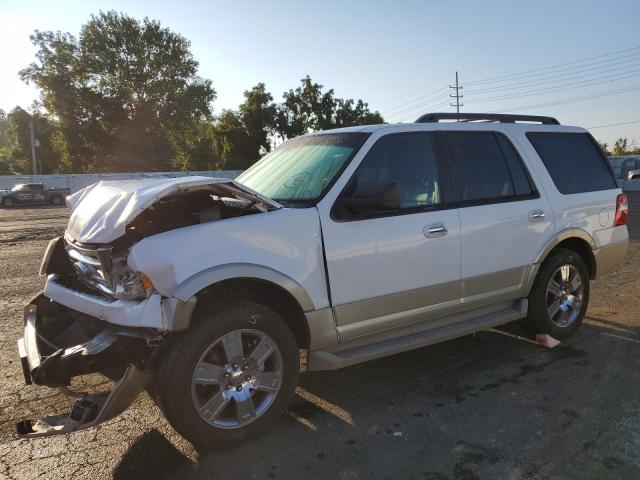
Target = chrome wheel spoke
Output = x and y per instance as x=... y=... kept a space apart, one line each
x=214 y=407
x=232 y=344
x=565 y=271
x=554 y=308
x=263 y=351
x=207 y=374
x=575 y=283
x=246 y=409
x=554 y=287
x=267 y=382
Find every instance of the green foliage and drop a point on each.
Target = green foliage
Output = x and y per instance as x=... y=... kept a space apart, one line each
x=125 y=96
x=15 y=142
x=623 y=147
x=126 y=93
x=258 y=116
x=308 y=108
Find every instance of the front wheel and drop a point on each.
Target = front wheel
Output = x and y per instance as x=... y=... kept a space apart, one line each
x=230 y=376
x=560 y=295
x=8 y=202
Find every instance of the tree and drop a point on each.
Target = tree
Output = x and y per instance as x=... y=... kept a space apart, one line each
x=308 y=108
x=622 y=147
x=126 y=93
x=15 y=141
x=258 y=116
x=232 y=144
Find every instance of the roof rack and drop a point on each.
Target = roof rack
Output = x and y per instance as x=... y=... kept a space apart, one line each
x=486 y=117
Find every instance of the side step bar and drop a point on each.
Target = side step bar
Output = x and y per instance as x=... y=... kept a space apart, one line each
x=324 y=360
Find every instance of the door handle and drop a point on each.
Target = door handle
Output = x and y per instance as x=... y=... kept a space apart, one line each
x=536 y=215
x=435 y=230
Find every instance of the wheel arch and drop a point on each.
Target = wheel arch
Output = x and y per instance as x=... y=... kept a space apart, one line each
x=254 y=283
x=577 y=240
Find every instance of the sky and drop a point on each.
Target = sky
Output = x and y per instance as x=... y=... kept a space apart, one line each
x=399 y=56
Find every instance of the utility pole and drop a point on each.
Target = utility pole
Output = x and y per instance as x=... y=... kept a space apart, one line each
x=33 y=147
x=457 y=96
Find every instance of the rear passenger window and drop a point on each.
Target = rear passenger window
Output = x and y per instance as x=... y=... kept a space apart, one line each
x=486 y=166
x=574 y=162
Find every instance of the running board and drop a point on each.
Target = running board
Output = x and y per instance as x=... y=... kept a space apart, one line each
x=324 y=360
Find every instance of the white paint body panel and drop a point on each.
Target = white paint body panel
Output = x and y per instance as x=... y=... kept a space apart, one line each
x=381 y=256
x=287 y=240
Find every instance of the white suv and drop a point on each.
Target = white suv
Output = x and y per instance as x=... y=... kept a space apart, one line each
x=351 y=244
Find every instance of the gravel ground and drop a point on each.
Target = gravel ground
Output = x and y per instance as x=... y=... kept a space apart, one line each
x=486 y=406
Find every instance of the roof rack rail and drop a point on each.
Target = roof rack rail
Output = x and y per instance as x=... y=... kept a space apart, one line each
x=486 y=117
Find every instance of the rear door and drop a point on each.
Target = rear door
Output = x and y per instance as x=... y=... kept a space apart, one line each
x=395 y=267
x=504 y=220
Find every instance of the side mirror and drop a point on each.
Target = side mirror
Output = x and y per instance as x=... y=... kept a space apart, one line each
x=373 y=197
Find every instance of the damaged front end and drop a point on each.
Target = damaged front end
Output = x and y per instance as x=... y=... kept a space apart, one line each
x=97 y=314
x=60 y=343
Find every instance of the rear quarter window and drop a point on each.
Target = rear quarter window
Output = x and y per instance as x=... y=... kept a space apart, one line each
x=574 y=162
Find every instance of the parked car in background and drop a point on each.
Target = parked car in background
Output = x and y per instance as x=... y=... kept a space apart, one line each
x=30 y=193
x=622 y=166
x=352 y=244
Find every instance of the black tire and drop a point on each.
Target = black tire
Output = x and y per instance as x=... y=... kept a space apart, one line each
x=540 y=300
x=8 y=202
x=56 y=200
x=175 y=373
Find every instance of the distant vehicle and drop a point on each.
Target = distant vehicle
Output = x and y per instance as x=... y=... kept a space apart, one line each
x=633 y=175
x=30 y=193
x=622 y=166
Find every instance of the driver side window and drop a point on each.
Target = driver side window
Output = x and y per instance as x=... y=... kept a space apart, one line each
x=407 y=160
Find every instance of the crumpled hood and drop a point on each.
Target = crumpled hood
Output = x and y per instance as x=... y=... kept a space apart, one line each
x=101 y=212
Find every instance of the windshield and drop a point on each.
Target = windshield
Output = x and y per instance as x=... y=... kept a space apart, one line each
x=302 y=169
x=17 y=187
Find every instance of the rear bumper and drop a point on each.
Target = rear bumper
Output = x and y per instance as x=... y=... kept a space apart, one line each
x=60 y=344
x=609 y=256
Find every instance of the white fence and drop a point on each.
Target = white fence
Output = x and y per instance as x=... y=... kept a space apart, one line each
x=77 y=181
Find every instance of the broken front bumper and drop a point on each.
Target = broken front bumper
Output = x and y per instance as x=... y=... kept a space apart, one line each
x=60 y=343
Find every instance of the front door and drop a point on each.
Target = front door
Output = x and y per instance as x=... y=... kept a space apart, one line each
x=400 y=265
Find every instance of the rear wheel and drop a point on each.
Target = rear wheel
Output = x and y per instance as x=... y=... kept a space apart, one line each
x=560 y=295
x=8 y=202
x=56 y=200
x=230 y=376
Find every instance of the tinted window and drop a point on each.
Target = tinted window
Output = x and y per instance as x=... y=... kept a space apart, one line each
x=407 y=160
x=521 y=183
x=573 y=161
x=481 y=169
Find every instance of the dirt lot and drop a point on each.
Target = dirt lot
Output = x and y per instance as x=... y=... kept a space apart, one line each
x=489 y=406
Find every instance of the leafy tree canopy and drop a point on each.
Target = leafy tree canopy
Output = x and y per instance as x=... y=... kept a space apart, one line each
x=124 y=91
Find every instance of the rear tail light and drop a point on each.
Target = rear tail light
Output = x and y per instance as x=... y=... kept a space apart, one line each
x=622 y=210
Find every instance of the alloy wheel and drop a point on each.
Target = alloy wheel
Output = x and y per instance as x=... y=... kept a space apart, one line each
x=237 y=378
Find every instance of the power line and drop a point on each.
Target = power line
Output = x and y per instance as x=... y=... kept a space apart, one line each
x=414 y=100
x=419 y=106
x=584 y=83
x=614 y=124
x=576 y=99
x=560 y=78
x=422 y=110
x=528 y=72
